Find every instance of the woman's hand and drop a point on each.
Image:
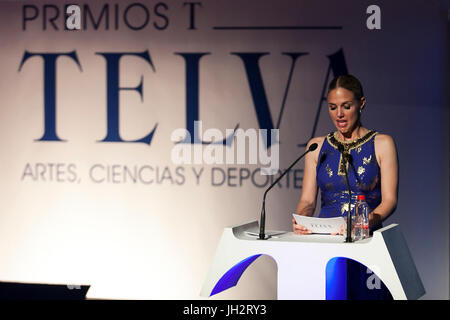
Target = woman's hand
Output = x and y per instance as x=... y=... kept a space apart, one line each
x=299 y=229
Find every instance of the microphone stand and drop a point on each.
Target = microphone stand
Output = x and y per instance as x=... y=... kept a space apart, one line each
x=345 y=157
x=262 y=226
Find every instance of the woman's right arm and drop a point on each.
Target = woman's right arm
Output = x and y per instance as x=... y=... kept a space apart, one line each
x=307 y=204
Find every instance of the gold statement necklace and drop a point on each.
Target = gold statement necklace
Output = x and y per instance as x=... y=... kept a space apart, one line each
x=335 y=141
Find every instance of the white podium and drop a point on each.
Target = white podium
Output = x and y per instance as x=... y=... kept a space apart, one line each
x=302 y=261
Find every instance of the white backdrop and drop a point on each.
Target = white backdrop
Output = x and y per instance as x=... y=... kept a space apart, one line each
x=70 y=213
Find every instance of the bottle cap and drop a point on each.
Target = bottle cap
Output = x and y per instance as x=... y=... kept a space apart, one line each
x=361 y=197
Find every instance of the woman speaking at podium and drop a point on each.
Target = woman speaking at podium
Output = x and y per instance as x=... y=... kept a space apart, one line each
x=372 y=169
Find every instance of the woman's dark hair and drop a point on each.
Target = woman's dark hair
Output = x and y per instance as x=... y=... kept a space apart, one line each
x=349 y=82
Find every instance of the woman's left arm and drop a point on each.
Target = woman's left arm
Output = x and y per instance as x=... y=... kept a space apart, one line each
x=387 y=159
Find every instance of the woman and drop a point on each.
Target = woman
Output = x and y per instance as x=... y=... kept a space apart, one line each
x=372 y=170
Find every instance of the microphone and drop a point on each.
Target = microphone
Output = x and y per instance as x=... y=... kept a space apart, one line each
x=347 y=158
x=262 y=226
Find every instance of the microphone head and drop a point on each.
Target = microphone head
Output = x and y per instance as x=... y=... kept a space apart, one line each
x=312 y=147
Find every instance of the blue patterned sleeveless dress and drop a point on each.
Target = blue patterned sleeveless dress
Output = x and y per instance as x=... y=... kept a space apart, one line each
x=364 y=179
x=363 y=174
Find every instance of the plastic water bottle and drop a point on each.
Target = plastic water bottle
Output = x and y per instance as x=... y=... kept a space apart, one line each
x=356 y=224
x=362 y=212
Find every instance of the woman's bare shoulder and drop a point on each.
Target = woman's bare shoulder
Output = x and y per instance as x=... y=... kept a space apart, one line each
x=318 y=140
x=384 y=147
x=384 y=140
x=315 y=154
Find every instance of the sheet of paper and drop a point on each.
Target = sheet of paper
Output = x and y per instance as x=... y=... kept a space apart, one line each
x=320 y=225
